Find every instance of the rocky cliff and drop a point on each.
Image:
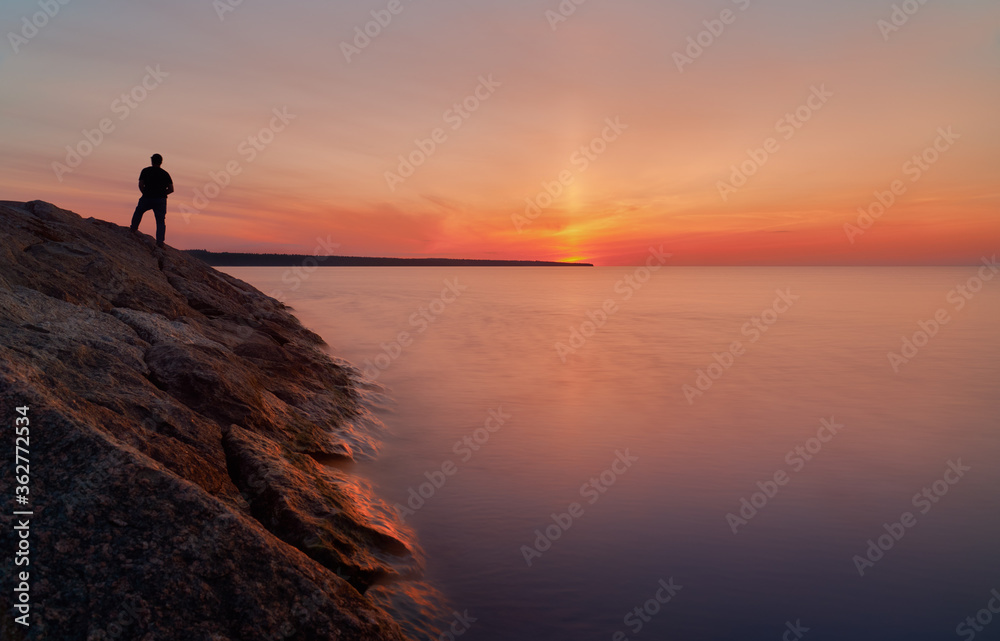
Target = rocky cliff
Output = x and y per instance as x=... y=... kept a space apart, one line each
x=177 y=418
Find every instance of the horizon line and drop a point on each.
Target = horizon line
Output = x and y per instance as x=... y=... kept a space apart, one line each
x=567 y=263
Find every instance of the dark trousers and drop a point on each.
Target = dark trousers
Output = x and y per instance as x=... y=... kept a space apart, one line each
x=159 y=207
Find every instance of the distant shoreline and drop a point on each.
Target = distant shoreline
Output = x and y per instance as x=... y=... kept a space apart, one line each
x=241 y=259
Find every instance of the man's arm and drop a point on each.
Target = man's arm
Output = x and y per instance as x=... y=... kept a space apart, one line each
x=142 y=185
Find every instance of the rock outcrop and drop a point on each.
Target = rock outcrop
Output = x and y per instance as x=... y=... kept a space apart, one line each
x=178 y=417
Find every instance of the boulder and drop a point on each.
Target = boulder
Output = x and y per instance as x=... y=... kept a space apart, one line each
x=177 y=417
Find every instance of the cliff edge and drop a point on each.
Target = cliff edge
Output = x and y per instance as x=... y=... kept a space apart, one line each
x=177 y=417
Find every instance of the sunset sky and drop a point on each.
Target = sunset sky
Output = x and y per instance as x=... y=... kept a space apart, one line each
x=848 y=92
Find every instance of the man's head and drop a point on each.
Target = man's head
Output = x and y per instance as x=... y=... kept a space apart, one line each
x=157 y=160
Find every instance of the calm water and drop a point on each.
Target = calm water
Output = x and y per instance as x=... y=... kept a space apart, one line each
x=664 y=516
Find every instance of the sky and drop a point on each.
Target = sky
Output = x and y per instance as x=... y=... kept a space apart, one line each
x=779 y=132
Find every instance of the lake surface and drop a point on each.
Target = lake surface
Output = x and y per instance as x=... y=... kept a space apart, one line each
x=685 y=512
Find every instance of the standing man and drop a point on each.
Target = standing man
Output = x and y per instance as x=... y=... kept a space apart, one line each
x=155 y=184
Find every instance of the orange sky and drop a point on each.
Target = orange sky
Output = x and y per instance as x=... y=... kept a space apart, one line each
x=835 y=103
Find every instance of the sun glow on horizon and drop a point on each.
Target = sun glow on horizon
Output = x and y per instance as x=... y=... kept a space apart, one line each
x=246 y=182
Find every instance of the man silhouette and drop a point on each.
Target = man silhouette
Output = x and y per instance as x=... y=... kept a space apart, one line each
x=155 y=184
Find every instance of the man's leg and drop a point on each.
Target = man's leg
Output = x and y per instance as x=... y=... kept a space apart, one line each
x=160 y=212
x=140 y=209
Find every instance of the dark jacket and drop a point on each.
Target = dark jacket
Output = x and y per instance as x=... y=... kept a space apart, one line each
x=155 y=182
